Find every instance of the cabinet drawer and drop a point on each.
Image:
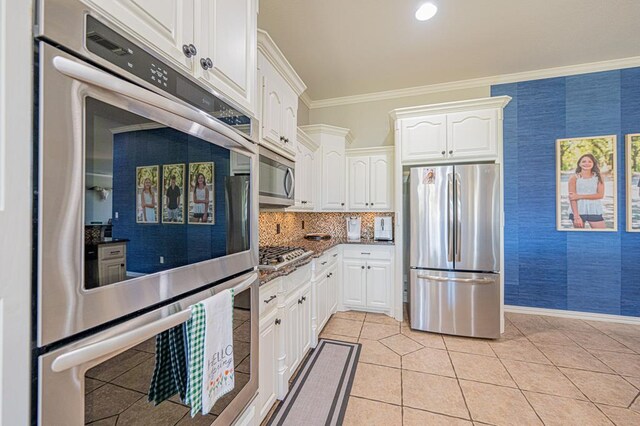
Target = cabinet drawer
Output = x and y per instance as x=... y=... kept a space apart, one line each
x=297 y=278
x=367 y=252
x=332 y=256
x=268 y=297
x=111 y=251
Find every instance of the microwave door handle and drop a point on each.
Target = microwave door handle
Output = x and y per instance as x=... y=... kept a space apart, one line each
x=96 y=77
x=288 y=182
x=130 y=338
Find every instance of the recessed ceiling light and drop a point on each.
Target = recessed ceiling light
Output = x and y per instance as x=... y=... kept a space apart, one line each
x=426 y=12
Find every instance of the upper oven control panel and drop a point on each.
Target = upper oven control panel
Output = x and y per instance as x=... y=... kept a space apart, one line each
x=118 y=50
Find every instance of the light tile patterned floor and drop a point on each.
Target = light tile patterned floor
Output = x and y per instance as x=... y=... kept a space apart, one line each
x=544 y=370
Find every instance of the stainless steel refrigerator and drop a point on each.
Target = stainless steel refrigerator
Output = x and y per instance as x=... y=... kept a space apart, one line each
x=454 y=284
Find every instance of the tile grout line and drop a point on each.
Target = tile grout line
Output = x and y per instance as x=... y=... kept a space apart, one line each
x=516 y=383
x=562 y=372
x=464 y=398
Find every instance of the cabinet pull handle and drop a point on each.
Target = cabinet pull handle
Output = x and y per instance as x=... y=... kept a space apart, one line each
x=335 y=255
x=189 y=50
x=364 y=252
x=115 y=252
x=270 y=299
x=323 y=263
x=278 y=321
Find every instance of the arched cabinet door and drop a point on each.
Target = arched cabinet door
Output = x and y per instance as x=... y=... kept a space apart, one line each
x=424 y=138
x=472 y=134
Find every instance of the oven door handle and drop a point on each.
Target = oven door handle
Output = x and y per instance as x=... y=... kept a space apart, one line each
x=96 y=77
x=129 y=339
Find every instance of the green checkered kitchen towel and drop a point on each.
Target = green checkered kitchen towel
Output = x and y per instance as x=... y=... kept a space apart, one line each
x=170 y=371
x=195 y=338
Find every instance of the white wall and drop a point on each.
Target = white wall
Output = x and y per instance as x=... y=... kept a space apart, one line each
x=15 y=209
x=370 y=122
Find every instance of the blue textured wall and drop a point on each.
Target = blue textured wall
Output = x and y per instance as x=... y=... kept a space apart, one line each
x=179 y=244
x=577 y=271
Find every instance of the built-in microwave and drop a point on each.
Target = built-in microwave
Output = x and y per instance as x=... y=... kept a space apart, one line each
x=276 y=179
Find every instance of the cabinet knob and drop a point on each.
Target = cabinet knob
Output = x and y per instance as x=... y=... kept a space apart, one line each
x=372 y=204
x=368 y=267
x=189 y=50
x=299 y=301
x=281 y=138
x=278 y=321
x=206 y=63
x=366 y=204
x=328 y=275
x=362 y=266
x=304 y=298
x=342 y=204
x=444 y=152
x=451 y=152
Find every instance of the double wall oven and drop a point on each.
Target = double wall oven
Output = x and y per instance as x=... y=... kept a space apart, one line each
x=179 y=167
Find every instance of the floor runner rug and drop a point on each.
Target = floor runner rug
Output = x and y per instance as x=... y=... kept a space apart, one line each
x=320 y=392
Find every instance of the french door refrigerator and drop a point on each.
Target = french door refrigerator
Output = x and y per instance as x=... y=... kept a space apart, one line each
x=455 y=250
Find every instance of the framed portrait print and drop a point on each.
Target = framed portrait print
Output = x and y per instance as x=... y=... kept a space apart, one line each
x=586 y=194
x=201 y=184
x=633 y=182
x=173 y=179
x=147 y=194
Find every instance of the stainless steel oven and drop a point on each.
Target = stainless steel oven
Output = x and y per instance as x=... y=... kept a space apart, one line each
x=181 y=185
x=277 y=180
x=125 y=139
x=105 y=378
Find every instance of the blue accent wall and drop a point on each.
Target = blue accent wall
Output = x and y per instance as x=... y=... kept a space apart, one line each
x=578 y=271
x=181 y=244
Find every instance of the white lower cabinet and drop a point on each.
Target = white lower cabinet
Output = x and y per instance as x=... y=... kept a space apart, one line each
x=332 y=289
x=268 y=360
x=367 y=278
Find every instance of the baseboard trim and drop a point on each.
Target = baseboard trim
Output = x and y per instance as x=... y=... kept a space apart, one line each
x=572 y=314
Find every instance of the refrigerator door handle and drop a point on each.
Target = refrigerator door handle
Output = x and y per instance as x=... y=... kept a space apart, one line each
x=456 y=280
x=450 y=217
x=458 y=220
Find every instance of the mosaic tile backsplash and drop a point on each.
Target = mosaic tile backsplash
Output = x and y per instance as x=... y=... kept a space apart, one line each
x=334 y=224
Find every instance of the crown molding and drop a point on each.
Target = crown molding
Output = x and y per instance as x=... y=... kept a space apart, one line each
x=314 y=129
x=497 y=102
x=480 y=82
x=270 y=50
x=306 y=99
x=304 y=139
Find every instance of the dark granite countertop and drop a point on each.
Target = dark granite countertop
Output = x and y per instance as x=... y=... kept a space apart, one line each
x=318 y=247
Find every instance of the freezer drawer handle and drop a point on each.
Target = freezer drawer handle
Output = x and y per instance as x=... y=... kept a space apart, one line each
x=457 y=280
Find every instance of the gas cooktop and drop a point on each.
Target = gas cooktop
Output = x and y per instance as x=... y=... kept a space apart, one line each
x=274 y=258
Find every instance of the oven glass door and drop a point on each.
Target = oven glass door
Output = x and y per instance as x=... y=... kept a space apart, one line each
x=80 y=385
x=138 y=201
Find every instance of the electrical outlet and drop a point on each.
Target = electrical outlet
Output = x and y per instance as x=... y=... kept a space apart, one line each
x=277 y=228
x=303 y=224
x=161 y=259
x=116 y=215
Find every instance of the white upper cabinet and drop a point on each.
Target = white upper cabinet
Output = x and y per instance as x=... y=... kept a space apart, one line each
x=219 y=35
x=472 y=134
x=226 y=33
x=304 y=190
x=331 y=161
x=455 y=131
x=370 y=178
x=358 y=182
x=424 y=138
x=280 y=88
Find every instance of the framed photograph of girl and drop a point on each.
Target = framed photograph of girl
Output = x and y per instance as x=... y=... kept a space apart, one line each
x=201 y=184
x=586 y=194
x=633 y=182
x=173 y=193
x=147 y=194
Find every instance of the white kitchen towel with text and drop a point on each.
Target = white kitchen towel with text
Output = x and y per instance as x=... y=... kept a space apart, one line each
x=218 y=373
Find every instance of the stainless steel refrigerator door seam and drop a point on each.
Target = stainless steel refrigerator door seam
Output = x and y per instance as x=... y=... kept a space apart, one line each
x=450 y=217
x=458 y=216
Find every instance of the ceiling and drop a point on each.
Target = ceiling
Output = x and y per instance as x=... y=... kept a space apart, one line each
x=352 y=47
